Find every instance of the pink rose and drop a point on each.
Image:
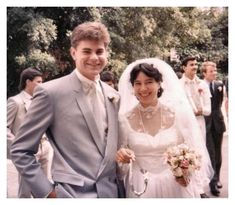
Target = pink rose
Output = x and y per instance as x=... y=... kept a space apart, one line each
x=184 y=164
x=200 y=90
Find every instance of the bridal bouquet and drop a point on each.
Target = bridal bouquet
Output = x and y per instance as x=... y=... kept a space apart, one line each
x=182 y=160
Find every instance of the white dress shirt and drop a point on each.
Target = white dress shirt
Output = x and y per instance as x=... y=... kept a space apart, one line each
x=198 y=94
x=27 y=99
x=96 y=103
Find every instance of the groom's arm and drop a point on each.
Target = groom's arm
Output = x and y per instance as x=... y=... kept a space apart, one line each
x=26 y=143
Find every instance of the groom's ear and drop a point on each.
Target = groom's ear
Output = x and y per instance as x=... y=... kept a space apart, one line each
x=73 y=53
x=108 y=53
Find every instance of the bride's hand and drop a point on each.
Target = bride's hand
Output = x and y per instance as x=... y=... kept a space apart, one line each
x=124 y=155
x=182 y=181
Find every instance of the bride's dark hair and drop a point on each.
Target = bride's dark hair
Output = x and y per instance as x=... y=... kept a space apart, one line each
x=148 y=70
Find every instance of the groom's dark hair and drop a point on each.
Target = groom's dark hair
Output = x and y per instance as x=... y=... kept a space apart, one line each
x=148 y=70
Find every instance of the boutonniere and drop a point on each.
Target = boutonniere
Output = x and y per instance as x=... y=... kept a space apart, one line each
x=200 y=90
x=220 y=88
x=113 y=99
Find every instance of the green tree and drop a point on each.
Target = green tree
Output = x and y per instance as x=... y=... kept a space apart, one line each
x=32 y=35
x=41 y=36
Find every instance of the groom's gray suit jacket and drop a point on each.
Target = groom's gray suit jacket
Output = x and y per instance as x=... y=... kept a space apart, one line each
x=83 y=165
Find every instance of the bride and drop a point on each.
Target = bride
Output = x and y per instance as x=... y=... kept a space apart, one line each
x=155 y=115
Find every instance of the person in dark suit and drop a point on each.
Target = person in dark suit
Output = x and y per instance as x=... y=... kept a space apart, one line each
x=226 y=95
x=215 y=125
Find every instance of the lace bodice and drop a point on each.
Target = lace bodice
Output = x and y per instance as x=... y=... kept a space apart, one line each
x=150 y=120
x=149 y=148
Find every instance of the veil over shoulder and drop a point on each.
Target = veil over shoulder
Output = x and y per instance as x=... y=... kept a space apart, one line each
x=174 y=97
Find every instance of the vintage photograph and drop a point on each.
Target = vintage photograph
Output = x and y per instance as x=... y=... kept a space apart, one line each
x=117 y=102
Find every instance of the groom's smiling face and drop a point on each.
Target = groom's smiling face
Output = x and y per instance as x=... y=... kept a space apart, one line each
x=90 y=57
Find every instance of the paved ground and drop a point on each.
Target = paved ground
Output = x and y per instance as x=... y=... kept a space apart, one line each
x=12 y=181
x=224 y=168
x=224 y=171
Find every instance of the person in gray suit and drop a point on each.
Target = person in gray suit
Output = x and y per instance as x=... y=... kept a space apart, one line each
x=79 y=114
x=17 y=107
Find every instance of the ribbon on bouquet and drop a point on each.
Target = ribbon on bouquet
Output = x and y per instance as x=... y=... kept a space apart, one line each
x=145 y=177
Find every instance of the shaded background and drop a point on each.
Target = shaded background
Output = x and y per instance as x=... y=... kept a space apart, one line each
x=39 y=36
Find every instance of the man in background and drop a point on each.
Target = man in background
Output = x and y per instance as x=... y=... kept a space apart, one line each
x=198 y=95
x=109 y=78
x=17 y=107
x=215 y=125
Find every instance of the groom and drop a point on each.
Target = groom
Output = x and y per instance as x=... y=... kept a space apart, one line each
x=79 y=114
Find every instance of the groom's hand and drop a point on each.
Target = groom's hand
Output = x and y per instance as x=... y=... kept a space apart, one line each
x=52 y=194
x=124 y=155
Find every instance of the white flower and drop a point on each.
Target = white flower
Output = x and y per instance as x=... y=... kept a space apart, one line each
x=220 y=88
x=113 y=98
x=178 y=172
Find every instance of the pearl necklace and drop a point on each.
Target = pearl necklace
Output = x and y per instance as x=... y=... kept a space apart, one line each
x=151 y=110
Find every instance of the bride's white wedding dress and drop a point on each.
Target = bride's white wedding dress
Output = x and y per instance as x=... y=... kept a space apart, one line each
x=149 y=132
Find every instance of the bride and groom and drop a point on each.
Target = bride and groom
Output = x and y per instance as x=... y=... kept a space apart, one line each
x=86 y=144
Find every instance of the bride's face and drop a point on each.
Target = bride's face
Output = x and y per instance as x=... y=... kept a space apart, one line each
x=145 y=89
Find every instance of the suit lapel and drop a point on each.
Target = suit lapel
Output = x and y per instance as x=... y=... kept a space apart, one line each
x=83 y=105
x=110 y=110
x=110 y=146
x=25 y=101
x=218 y=92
